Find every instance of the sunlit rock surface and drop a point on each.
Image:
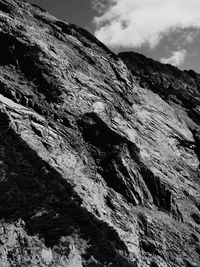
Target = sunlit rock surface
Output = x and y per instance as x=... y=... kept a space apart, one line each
x=99 y=154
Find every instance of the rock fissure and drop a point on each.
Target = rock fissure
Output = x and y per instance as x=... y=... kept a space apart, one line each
x=99 y=153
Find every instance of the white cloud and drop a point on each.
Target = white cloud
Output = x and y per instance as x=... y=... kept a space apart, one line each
x=176 y=59
x=133 y=23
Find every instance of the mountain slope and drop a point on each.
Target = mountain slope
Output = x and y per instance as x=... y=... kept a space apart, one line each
x=98 y=168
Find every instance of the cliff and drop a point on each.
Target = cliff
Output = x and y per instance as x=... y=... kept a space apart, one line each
x=99 y=153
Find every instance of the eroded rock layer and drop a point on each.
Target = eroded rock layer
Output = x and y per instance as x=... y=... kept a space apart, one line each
x=99 y=154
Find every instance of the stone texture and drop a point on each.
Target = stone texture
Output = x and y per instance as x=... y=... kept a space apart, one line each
x=99 y=153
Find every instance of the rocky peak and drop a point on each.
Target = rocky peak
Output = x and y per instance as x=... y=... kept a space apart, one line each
x=99 y=153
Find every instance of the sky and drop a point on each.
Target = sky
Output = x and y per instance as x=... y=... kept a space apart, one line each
x=165 y=30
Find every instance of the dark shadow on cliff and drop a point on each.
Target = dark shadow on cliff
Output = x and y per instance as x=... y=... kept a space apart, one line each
x=32 y=190
x=109 y=150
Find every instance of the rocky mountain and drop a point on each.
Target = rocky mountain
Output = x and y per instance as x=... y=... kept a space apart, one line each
x=99 y=153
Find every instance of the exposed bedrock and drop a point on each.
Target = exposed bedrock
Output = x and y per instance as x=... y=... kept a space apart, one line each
x=99 y=153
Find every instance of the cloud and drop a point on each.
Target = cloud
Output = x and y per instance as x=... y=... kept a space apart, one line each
x=99 y=5
x=188 y=37
x=133 y=23
x=176 y=59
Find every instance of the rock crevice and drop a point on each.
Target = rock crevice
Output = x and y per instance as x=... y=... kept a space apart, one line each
x=99 y=153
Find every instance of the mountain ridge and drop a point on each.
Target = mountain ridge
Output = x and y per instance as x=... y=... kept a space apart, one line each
x=99 y=154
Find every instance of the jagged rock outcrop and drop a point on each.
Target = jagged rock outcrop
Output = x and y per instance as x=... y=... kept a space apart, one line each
x=99 y=161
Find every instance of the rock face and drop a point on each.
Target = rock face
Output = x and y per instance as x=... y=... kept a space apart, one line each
x=99 y=154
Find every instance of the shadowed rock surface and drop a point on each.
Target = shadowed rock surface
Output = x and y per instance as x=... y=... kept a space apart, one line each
x=99 y=154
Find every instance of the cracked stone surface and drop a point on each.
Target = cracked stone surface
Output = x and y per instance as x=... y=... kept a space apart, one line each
x=99 y=153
